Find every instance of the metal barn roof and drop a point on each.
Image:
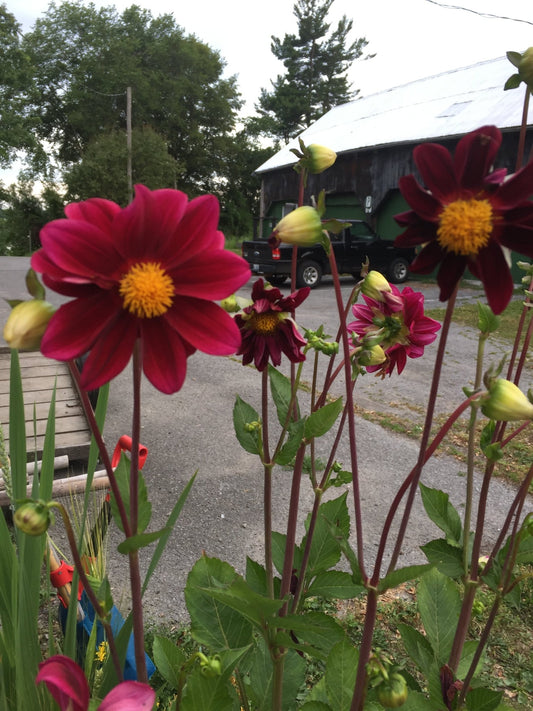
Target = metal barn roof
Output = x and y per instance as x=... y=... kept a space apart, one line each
x=441 y=106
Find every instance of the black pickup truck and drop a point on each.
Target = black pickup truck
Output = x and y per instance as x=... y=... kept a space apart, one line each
x=352 y=246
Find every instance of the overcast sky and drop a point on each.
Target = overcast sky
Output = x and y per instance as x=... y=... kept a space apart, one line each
x=411 y=38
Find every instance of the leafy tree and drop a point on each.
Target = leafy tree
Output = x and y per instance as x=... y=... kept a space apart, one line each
x=102 y=171
x=85 y=58
x=316 y=62
x=15 y=87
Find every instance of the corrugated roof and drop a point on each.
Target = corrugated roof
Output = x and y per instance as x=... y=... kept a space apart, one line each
x=445 y=105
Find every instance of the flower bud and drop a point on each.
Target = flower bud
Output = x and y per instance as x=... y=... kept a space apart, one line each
x=33 y=517
x=506 y=402
x=525 y=67
x=319 y=158
x=375 y=286
x=372 y=356
x=230 y=304
x=393 y=692
x=302 y=226
x=27 y=323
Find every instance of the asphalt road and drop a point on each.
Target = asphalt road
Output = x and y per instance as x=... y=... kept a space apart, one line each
x=192 y=430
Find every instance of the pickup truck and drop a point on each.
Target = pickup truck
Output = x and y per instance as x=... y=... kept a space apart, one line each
x=352 y=246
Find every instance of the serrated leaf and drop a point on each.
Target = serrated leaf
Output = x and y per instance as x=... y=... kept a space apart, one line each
x=262 y=676
x=417 y=647
x=445 y=557
x=442 y=513
x=122 y=475
x=488 y=322
x=317 y=629
x=341 y=670
x=403 y=575
x=213 y=693
x=439 y=605
x=244 y=414
x=322 y=420
x=141 y=540
x=168 y=659
x=334 y=584
x=239 y=596
x=280 y=387
x=291 y=446
x=325 y=551
x=483 y=699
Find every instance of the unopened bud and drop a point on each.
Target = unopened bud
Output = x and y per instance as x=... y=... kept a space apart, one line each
x=525 y=68
x=372 y=356
x=27 y=323
x=33 y=517
x=375 y=286
x=230 y=304
x=393 y=692
x=302 y=226
x=319 y=158
x=506 y=402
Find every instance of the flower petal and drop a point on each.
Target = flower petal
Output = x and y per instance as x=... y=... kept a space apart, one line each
x=437 y=170
x=211 y=275
x=111 y=352
x=423 y=203
x=129 y=696
x=492 y=270
x=450 y=272
x=475 y=154
x=66 y=682
x=518 y=188
x=164 y=355
x=96 y=211
x=205 y=326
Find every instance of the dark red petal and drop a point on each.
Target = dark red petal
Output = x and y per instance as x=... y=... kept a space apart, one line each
x=516 y=189
x=111 y=352
x=475 y=154
x=518 y=238
x=66 y=682
x=197 y=231
x=436 y=168
x=77 y=324
x=291 y=302
x=425 y=205
x=164 y=355
x=205 y=326
x=428 y=259
x=211 y=275
x=417 y=233
x=97 y=211
x=492 y=270
x=450 y=272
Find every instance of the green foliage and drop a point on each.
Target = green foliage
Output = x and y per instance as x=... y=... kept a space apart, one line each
x=316 y=61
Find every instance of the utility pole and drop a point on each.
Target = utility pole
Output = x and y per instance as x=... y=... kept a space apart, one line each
x=128 y=142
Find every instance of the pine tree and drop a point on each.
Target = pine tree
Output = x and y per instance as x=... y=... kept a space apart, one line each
x=316 y=62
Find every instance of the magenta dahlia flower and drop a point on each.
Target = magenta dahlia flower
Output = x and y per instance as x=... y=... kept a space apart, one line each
x=66 y=682
x=468 y=215
x=398 y=325
x=149 y=271
x=267 y=328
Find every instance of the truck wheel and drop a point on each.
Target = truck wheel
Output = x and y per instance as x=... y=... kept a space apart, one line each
x=309 y=274
x=398 y=270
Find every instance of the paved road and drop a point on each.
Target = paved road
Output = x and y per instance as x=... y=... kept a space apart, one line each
x=192 y=430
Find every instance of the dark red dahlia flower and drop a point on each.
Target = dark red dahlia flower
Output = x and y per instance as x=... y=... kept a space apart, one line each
x=267 y=328
x=149 y=271
x=401 y=330
x=467 y=215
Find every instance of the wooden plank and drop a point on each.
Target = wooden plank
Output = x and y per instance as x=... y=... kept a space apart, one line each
x=64 y=408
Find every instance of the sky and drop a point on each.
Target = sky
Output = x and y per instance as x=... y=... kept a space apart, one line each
x=410 y=38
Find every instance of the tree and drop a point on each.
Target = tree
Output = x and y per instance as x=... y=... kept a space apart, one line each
x=85 y=59
x=15 y=87
x=316 y=64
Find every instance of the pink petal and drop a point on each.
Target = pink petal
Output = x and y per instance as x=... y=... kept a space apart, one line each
x=129 y=696
x=197 y=230
x=205 y=326
x=97 y=211
x=212 y=275
x=164 y=355
x=66 y=682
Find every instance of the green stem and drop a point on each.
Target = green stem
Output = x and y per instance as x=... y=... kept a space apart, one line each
x=267 y=486
x=278 y=662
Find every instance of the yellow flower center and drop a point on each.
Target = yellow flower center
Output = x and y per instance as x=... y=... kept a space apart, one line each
x=147 y=290
x=465 y=226
x=264 y=324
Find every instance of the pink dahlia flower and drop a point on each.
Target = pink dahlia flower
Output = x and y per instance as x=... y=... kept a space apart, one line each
x=66 y=682
x=149 y=271
x=398 y=325
x=267 y=328
x=467 y=214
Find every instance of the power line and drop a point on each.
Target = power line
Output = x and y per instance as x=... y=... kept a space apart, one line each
x=476 y=12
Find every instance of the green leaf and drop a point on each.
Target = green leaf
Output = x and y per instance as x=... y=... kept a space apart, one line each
x=442 y=513
x=483 y=699
x=514 y=57
x=402 y=575
x=488 y=322
x=416 y=702
x=417 y=647
x=213 y=693
x=122 y=475
x=315 y=706
x=168 y=659
x=446 y=558
x=243 y=415
x=214 y=624
x=34 y=286
x=280 y=387
x=288 y=451
x=513 y=82
x=439 y=605
x=321 y=421
x=467 y=657
x=262 y=673
x=325 y=550
x=341 y=670
x=334 y=584
x=141 y=540
x=278 y=550
x=317 y=629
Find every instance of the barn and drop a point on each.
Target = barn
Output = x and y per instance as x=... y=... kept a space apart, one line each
x=374 y=137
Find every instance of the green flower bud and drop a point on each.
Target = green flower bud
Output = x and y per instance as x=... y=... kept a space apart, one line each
x=375 y=286
x=33 y=517
x=27 y=323
x=525 y=67
x=319 y=158
x=211 y=666
x=372 y=356
x=506 y=402
x=230 y=304
x=393 y=692
x=301 y=227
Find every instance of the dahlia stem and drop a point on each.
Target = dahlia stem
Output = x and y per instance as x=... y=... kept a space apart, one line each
x=291 y=526
x=135 y=574
x=267 y=486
